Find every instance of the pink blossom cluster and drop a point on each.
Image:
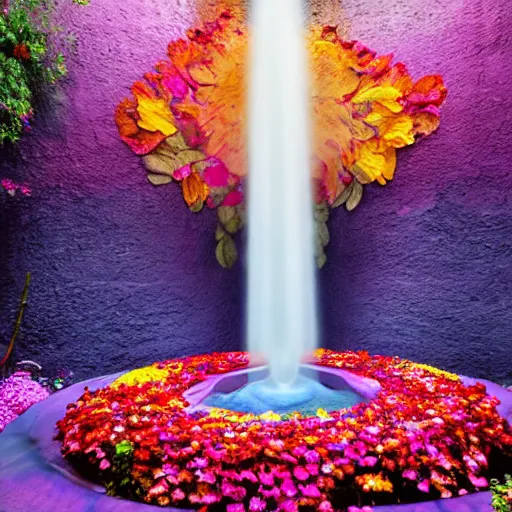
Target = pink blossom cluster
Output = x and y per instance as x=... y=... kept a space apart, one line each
x=10 y=187
x=17 y=393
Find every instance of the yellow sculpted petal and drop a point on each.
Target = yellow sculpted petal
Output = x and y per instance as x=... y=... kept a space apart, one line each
x=155 y=116
x=399 y=132
x=386 y=96
x=374 y=162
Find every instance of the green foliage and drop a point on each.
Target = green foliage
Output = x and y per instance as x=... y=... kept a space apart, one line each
x=32 y=50
x=502 y=494
x=121 y=469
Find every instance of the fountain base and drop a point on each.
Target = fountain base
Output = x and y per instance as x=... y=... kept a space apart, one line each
x=305 y=396
x=34 y=474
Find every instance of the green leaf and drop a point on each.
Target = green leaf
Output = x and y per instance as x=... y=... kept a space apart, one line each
x=124 y=448
x=322 y=233
x=173 y=144
x=355 y=196
x=197 y=206
x=342 y=198
x=321 y=260
x=159 y=179
x=160 y=164
x=231 y=218
x=321 y=212
x=226 y=214
x=219 y=233
x=226 y=252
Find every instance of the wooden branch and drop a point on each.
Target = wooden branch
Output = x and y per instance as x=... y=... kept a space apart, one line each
x=21 y=309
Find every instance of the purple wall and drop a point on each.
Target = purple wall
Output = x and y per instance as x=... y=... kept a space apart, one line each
x=124 y=274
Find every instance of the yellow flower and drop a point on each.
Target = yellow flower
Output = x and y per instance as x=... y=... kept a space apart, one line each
x=141 y=376
x=436 y=371
x=270 y=416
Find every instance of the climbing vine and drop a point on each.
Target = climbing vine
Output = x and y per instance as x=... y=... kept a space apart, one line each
x=32 y=57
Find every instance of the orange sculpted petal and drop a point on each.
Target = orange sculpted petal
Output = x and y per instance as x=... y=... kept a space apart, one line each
x=194 y=189
x=140 y=141
x=333 y=75
x=425 y=122
x=429 y=90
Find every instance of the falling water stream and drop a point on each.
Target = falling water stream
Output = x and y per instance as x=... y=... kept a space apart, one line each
x=281 y=301
x=282 y=323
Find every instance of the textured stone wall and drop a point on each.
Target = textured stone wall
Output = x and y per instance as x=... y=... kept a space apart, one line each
x=124 y=274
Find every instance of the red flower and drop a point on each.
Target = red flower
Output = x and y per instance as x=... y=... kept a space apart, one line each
x=21 y=52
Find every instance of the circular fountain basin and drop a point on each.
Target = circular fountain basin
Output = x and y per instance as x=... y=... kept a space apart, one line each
x=34 y=476
x=251 y=390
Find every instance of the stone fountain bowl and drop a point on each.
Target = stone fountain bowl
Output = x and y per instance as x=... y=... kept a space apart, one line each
x=35 y=477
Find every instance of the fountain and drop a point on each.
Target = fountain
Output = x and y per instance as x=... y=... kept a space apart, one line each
x=308 y=430
x=281 y=305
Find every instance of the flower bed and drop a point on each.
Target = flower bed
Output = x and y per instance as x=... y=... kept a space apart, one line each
x=424 y=436
x=17 y=393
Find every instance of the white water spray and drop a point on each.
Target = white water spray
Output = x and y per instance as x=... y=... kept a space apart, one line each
x=282 y=323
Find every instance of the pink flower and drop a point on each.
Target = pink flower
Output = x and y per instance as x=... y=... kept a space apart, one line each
x=159 y=488
x=10 y=187
x=478 y=481
x=235 y=492
x=178 y=495
x=257 y=505
x=288 y=458
x=298 y=451
x=235 y=507
x=410 y=474
x=269 y=493
x=312 y=456
x=432 y=450
x=266 y=478
x=312 y=469
x=104 y=464
x=351 y=453
x=216 y=175
x=206 y=476
x=300 y=473
x=325 y=506
x=25 y=190
x=176 y=85
x=288 y=488
x=182 y=172
x=310 y=491
x=368 y=461
x=234 y=198
x=248 y=475
x=199 y=462
x=424 y=486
